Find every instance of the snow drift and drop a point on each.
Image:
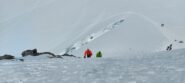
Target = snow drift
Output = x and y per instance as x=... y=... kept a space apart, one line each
x=162 y=67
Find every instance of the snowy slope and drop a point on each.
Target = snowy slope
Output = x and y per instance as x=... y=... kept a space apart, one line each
x=128 y=36
x=128 y=32
x=55 y=25
x=161 y=67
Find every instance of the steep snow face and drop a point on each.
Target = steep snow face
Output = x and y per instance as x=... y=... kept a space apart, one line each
x=55 y=25
x=135 y=33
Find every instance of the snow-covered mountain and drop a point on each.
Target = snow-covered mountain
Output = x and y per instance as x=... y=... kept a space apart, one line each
x=132 y=35
x=57 y=25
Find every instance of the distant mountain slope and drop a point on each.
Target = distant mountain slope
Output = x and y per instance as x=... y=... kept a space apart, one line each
x=54 y=25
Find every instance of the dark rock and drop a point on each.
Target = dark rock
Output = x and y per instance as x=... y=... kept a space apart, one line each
x=21 y=60
x=30 y=52
x=70 y=55
x=6 y=56
x=162 y=25
x=181 y=42
x=35 y=53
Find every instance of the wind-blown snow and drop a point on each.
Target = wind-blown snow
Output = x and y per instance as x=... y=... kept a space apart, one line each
x=161 y=67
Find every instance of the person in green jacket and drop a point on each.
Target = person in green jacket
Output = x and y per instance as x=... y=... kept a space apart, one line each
x=99 y=54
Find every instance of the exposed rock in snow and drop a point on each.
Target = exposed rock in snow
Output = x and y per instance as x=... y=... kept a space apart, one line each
x=161 y=67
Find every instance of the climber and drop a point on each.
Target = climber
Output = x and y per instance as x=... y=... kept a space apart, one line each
x=88 y=53
x=169 y=48
x=99 y=54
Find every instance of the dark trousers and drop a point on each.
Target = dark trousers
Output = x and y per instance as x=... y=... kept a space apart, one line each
x=88 y=56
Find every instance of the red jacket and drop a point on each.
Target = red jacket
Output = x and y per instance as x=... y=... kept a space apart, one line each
x=87 y=53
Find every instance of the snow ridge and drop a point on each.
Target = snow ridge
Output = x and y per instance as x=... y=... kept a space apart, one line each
x=93 y=36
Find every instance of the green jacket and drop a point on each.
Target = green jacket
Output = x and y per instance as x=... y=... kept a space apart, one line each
x=99 y=54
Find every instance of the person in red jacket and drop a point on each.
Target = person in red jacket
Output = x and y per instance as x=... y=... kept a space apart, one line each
x=88 y=53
